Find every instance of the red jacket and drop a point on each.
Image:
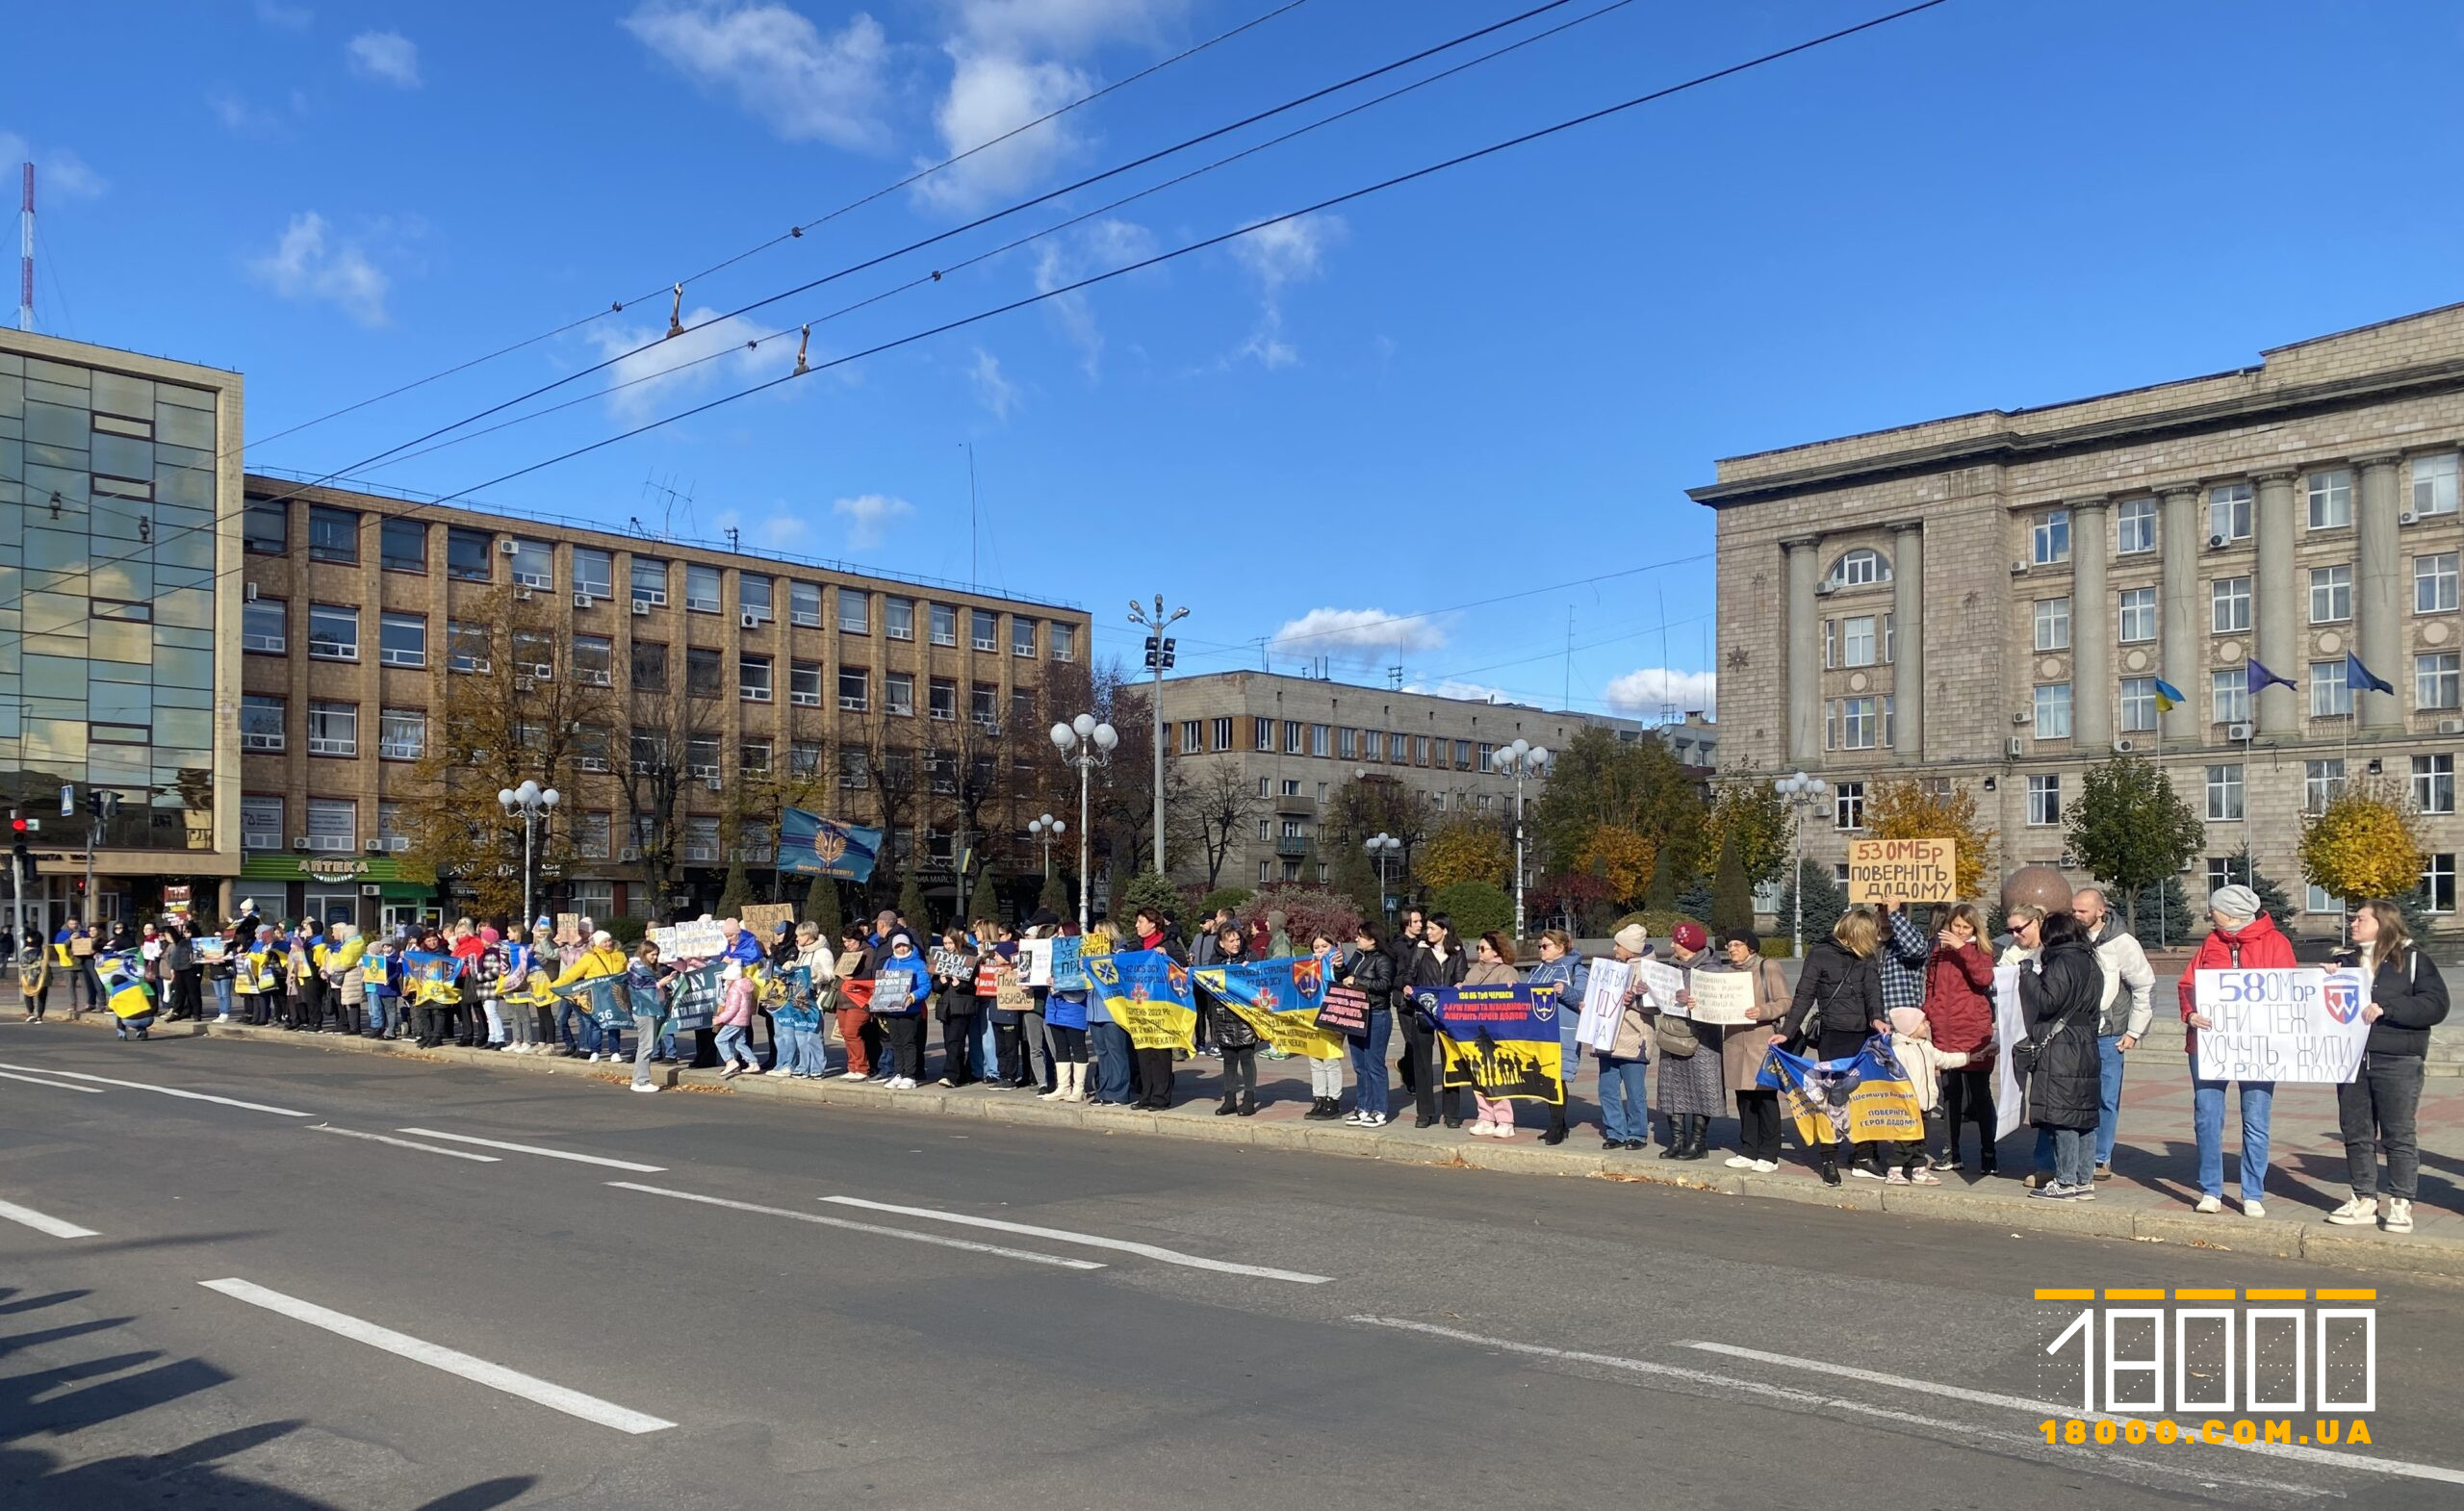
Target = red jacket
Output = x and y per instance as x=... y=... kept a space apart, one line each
x=1959 y=998
x=2259 y=946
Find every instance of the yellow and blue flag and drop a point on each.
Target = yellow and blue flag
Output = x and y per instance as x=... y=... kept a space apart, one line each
x=1502 y=1041
x=2167 y=696
x=126 y=990
x=1148 y=994
x=429 y=977
x=1865 y=1096
x=1279 y=998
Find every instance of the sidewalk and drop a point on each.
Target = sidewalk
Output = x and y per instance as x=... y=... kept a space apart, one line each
x=2149 y=1198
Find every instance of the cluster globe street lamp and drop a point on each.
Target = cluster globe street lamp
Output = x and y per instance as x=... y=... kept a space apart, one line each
x=1517 y=760
x=1801 y=793
x=533 y=803
x=1381 y=845
x=1047 y=829
x=1083 y=742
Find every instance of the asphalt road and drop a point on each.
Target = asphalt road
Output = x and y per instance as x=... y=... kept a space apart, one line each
x=267 y=1311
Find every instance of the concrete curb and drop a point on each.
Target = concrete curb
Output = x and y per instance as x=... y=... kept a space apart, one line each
x=2361 y=1248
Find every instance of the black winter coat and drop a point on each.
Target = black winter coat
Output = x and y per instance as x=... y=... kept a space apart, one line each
x=2411 y=998
x=2064 y=1089
x=1424 y=974
x=1836 y=993
x=1373 y=973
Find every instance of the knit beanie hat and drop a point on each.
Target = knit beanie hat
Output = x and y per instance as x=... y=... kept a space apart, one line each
x=2237 y=904
x=1635 y=939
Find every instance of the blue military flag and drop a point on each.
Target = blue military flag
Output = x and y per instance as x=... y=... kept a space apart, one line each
x=811 y=845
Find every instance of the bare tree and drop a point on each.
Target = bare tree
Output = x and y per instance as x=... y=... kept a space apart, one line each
x=1222 y=804
x=1378 y=804
x=672 y=748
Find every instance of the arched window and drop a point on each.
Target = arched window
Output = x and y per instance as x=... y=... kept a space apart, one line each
x=1858 y=569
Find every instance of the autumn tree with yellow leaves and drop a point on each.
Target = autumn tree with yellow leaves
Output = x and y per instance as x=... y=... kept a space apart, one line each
x=2365 y=843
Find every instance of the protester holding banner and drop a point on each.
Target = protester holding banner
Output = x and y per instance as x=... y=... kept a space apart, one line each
x=1232 y=1033
x=1492 y=965
x=1437 y=962
x=1693 y=1085
x=902 y=987
x=1959 y=1004
x=855 y=968
x=1837 y=1005
x=1742 y=1046
x=953 y=966
x=1154 y=1065
x=644 y=987
x=2244 y=938
x=1563 y=972
x=1369 y=970
x=602 y=960
x=2375 y=1109
x=1624 y=1108
x=1326 y=1076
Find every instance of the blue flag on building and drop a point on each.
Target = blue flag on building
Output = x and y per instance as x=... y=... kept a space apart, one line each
x=2358 y=677
x=2258 y=678
x=811 y=845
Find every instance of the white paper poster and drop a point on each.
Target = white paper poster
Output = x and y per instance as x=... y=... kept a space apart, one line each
x=1603 y=1003
x=2010 y=1026
x=1663 y=982
x=691 y=941
x=1723 y=998
x=2301 y=1024
x=1035 y=963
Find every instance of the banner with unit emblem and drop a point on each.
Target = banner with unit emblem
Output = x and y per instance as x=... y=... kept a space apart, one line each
x=811 y=845
x=1279 y=998
x=1148 y=995
x=1502 y=1041
x=1864 y=1097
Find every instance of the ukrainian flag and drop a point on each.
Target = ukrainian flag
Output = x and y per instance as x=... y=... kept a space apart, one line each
x=129 y=997
x=2167 y=696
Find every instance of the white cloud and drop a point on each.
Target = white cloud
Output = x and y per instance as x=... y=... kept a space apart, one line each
x=779 y=529
x=644 y=380
x=869 y=516
x=1063 y=260
x=1449 y=687
x=1356 y=634
x=313 y=265
x=59 y=174
x=1643 y=693
x=238 y=116
x=387 y=56
x=993 y=391
x=806 y=85
x=290 y=17
x=1278 y=255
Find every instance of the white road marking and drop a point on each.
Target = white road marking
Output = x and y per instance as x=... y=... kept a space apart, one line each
x=44 y=1224
x=934 y=1238
x=405 y=1143
x=532 y=1148
x=2036 y=1408
x=495 y=1376
x=2026 y=1445
x=1090 y=1240
x=56 y=1086
x=165 y=1091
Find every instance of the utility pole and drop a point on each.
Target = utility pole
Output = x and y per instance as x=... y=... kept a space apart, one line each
x=1159 y=661
x=970 y=513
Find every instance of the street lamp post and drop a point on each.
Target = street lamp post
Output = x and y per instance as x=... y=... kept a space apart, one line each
x=1803 y=792
x=1159 y=661
x=1520 y=759
x=1083 y=742
x=1047 y=829
x=1380 y=846
x=532 y=803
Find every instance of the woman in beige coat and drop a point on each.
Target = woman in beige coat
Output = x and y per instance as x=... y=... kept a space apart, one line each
x=1743 y=1048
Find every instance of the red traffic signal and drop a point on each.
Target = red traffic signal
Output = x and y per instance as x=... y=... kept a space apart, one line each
x=19 y=825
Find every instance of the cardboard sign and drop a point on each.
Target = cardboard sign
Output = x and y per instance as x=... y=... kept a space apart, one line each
x=1723 y=998
x=689 y=942
x=569 y=929
x=763 y=919
x=1918 y=870
x=1604 y=1004
x=2302 y=1024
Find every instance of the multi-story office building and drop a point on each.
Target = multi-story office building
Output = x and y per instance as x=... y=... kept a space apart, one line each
x=1992 y=599
x=1298 y=740
x=118 y=612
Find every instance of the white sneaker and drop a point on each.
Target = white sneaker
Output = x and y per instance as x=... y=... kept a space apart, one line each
x=2356 y=1212
x=1381 y=1120
x=2255 y=1209
x=644 y=1085
x=2399 y=1215
x=1765 y=1166
x=2208 y=1204
x=777 y=1070
x=593 y=1057
x=1737 y=1161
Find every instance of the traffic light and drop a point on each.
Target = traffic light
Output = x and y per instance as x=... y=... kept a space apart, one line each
x=21 y=857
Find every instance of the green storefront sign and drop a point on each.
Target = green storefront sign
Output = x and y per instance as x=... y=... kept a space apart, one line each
x=400 y=882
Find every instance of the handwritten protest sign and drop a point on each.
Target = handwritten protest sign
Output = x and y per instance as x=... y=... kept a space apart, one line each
x=2301 y=1024
x=1603 y=1001
x=1916 y=870
x=763 y=919
x=569 y=929
x=1035 y=963
x=689 y=942
x=1723 y=998
x=1663 y=983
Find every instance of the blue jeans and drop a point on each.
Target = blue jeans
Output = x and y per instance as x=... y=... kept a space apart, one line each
x=1369 y=1068
x=2207 y=1118
x=811 y=1057
x=1624 y=1114
x=576 y=1026
x=2109 y=1063
x=222 y=995
x=733 y=1047
x=1112 y=1049
x=380 y=1015
x=983 y=1053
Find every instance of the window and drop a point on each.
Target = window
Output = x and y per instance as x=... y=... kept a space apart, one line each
x=1856 y=640
x=590 y=746
x=2053 y=710
x=855 y=611
x=1293 y=733
x=2135 y=528
x=402 y=545
x=752 y=679
x=2330 y=594
x=2438 y=882
x=1262 y=792
x=402 y=640
x=1399 y=748
x=2224 y=793
x=1023 y=707
x=701 y=671
x=1265 y=872
x=1222 y=735
x=898 y=618
x=984 y=705
x=1848 y=804
x=1264 y=734
x=1193 y=736
x=466 y=646
x=2434 y=484
x=2229 y=606
x=261 y=823
x=945 y=624
x=266 y=528
x=2330 y=499
x=2223 y=871
x=333 y=633
x=1022 y=637
x=941 y=697
x=2053 y=623
x=264 y=625
x=1063 y=639
x=1855 y=724
x=2138 y=705
x=2138 y=615
x=2315 y=899
x=804 y=605
x=592 y=834
x=333 y=729
x=701 y=755
x=333 y=534
x=2228 y=512
x=333 y=824
x=401 y=734
x=1419 y=750
x=700 y=840
x=649 y=582
x=594 y=659
x=469 y=555
x=1859 y=568
x=594 y=574
x=1321 y=739
x=898 y=694
x=2045 y=801
x=2434 y=783
x=2228 y=695
x=803 y=683
x=753 y=757
x=648 y=672
x=262 y=719
x=2322 y=781
x=701 y=588
x=2435 y=680
x=648 y=754
x=1462 y=755
x=1290 y=829
x=755 y=595
x=804 y=758
x=855 y=692
x=534 y=564
x=1486 y=757
x=2434 y=583
x=984 y=625
x=2329 y=697
x=1263 y=830
x=2049 y=538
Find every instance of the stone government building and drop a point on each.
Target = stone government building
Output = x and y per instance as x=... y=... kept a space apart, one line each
x=1991 y=598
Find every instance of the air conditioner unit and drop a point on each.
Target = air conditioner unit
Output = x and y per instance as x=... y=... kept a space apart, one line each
x=2013 y=746
x=521 y=595
x=2216 y=543
x=2450 y=725
x=374 y=846
x=506 y=547
x=298 y=841
x=523 y=684
x=2065 y=860
x=2123 y=747
x=630 y=852
x=584 y=601
x=2019 y=569
x=1825 y=588
x=2238 y=732
x=640 y=607
x=2021 y=719
x=712 y=783
x=2408 y=516
x=251 y=592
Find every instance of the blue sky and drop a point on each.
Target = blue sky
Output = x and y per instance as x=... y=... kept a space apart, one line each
x=1497 y=379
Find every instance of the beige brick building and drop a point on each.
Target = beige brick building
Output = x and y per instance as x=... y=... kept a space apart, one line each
x=1991 y=598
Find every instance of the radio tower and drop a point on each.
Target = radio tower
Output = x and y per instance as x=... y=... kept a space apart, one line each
x=26 y=254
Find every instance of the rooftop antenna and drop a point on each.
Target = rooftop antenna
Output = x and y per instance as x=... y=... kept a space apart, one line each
x=1667 y=702
x=1395 y=678
x=26 y=254
x=1263 y=664
x=1566 y=693
x=970 y=513
x=735 y=539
